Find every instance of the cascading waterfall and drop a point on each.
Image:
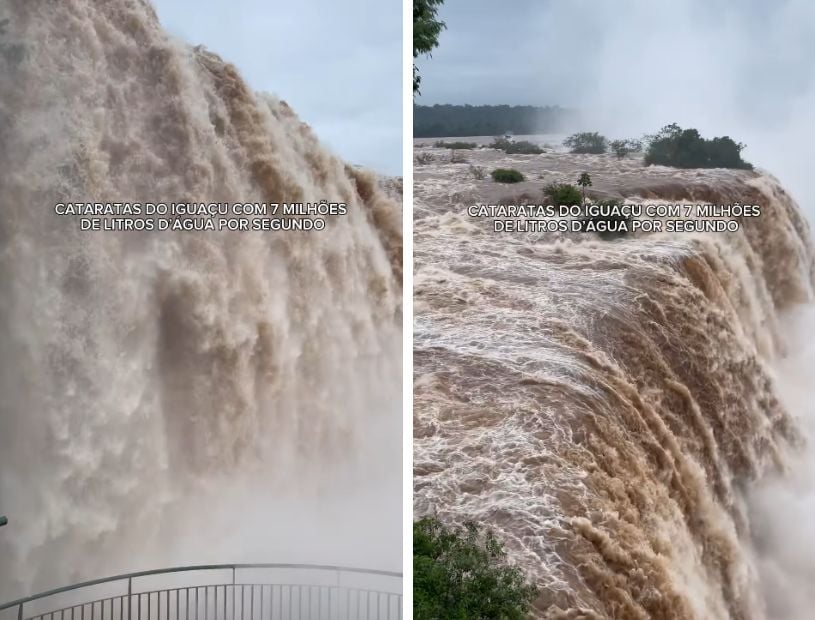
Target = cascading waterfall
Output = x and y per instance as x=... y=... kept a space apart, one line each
x=174 y=397
x=607 y=407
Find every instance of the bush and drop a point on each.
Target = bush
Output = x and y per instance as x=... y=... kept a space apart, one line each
x=457 y=158
x=441 y=144
x=622 y=148
x=563 y=194
x=502 y=144
x=507 y=175
x=586 y=142
x=424 y=158
x=462 y=574
x=523 y=148
x=479 y=172
x=686 y=148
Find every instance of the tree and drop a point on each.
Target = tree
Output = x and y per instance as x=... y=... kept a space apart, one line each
x=584 y=181
x=461 y=573
x=622 y=148
x=447 y=121
x=686 y=148
x=426 y=30
x=586 y=142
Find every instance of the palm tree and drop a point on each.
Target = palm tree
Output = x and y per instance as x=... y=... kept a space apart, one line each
x=584 y=181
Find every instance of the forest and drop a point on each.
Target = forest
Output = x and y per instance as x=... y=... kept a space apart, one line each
x=449 y=121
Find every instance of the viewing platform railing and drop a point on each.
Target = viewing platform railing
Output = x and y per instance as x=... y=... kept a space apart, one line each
x=222 y=592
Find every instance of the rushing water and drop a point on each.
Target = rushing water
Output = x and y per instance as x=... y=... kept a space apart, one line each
x=609 y=406
x=171 y=398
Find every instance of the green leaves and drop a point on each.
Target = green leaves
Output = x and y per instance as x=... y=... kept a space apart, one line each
x=507 y=175
x=622 y=148
x=586 y=143
x=686 y=148
x=461 y=573
x=562 y=194
x=426 y=30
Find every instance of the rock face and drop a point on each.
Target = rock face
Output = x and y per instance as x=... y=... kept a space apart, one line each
x=604 y=405
x=140 y=369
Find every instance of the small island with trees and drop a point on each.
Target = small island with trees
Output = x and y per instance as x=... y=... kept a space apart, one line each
x=671 y=146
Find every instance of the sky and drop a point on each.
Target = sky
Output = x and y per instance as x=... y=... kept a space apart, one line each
x=338 y=64
x=743 y=68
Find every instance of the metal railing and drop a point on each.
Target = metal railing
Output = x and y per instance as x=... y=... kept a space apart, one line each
x=222 y=592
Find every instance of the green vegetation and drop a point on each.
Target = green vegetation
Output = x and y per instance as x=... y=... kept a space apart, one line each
x=454 y=121
x=586 y=142
x=510 y=147
x=507 y=175
x=500 y=143
x=426 y=31
x=441 y=144
x=523 y=147
x=558 y=194
x=686 y=148
x=462 y=574
x=622 y=148
x=584 y=181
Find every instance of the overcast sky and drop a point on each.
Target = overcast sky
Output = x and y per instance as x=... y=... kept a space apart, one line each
x=738 y=67
x=338 y=64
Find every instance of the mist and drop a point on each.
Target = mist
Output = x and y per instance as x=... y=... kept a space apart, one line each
x=726 y=68
x=782 y=507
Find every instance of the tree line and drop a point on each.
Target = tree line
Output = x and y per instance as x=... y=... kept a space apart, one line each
x=449 y=121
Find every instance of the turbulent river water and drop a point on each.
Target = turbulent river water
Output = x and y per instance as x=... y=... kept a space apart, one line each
x=610 y=408
x=181 y=397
